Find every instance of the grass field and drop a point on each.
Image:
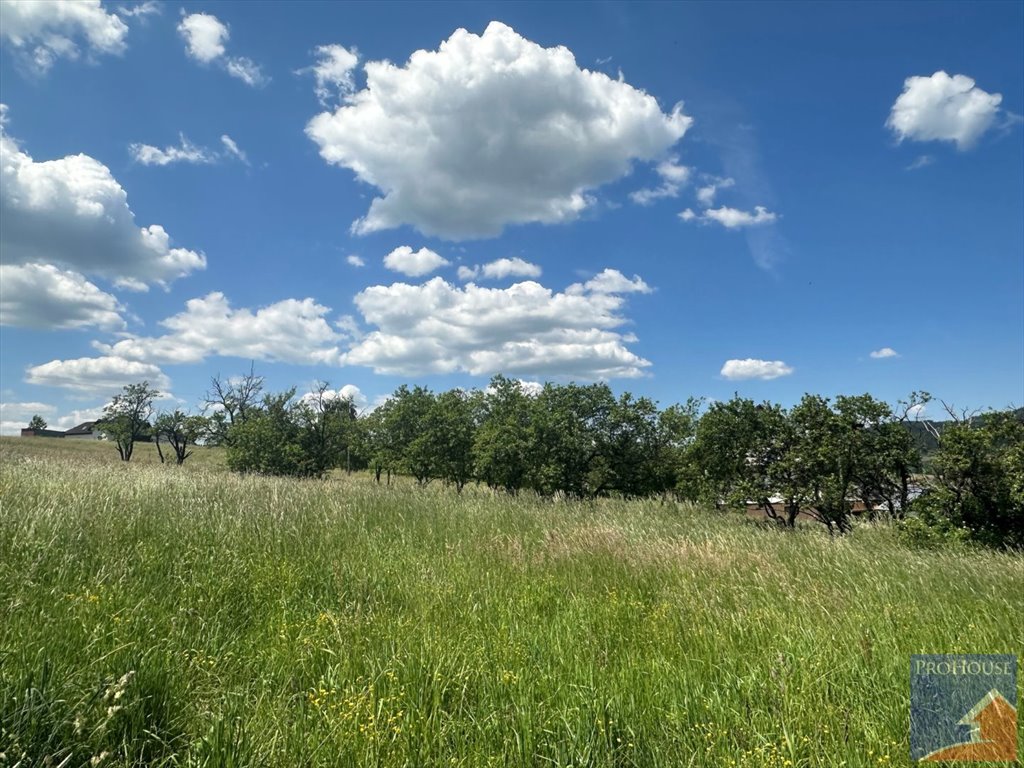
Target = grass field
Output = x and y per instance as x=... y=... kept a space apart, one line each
x=186 y=616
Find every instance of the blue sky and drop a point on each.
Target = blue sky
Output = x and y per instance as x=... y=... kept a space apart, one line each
x=682 y=199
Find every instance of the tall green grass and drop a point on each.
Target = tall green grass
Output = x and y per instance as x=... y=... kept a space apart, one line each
x=185 y=616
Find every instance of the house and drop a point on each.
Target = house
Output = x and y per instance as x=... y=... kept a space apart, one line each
x=993 y=723
x=41 y=433
x=85 y=431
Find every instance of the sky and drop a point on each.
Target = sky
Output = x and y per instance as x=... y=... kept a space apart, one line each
x=692 y=199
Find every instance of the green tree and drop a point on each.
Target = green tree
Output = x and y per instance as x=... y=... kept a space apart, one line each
x=977 y=482
x=630 y=444
x=375 y=442
x=230 y=401
x=565 y=425
x=827 y=444
x=126 y=419
x=504 y=440
x=326 y=425
x=407 y=422
x=268 y=440
x=735 y=445
x=451 y=425
x=886 y=455
x=677 y=427
x=180 y=430
x=37 y=422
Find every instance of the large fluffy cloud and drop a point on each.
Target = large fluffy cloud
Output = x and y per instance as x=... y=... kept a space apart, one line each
x=42 y=296
x=487 y=131
x=943 y=108
x=46 y=31
x=96 y=374
x=525 y=329
x=738 y=370
x=72 y=212
x=205 y=39
x=292 y=331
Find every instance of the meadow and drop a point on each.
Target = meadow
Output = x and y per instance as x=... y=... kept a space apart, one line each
x=157 y=615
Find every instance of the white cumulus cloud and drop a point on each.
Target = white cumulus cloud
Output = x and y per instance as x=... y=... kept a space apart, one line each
x=524 y=329
x=731 y=218
x=42 y=32
x=500 y=269
x=205 y=39
x=884 y=352
x=291 y=331
x=943 y=108
x=611 y=281
x=205 y=36
x=42 y=296
x=96 y=374
x=487 y=131
x=73 y=213
x=414 y=263
x=738 y=370
x=355 y=261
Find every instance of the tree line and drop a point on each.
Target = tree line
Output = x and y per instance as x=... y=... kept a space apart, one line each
x=822 y=458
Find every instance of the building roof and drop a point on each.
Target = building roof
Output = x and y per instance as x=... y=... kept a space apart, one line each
x=85 y=428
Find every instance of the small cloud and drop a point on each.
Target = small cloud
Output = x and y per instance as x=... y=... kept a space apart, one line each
x=673 y=177
x=355 y=261
x=500 y=269
x=706 y=194
x=942 y=107
x=739 y=370
x=732 y=218
x=884 y=352
x=246 y=70
x=414 y=263
x=921 y=162
x=206 y=39
x=185 y=152
x=204 y=36
x=233 y=149
x=610 y=281
x=333 y=72
x=141 y=10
